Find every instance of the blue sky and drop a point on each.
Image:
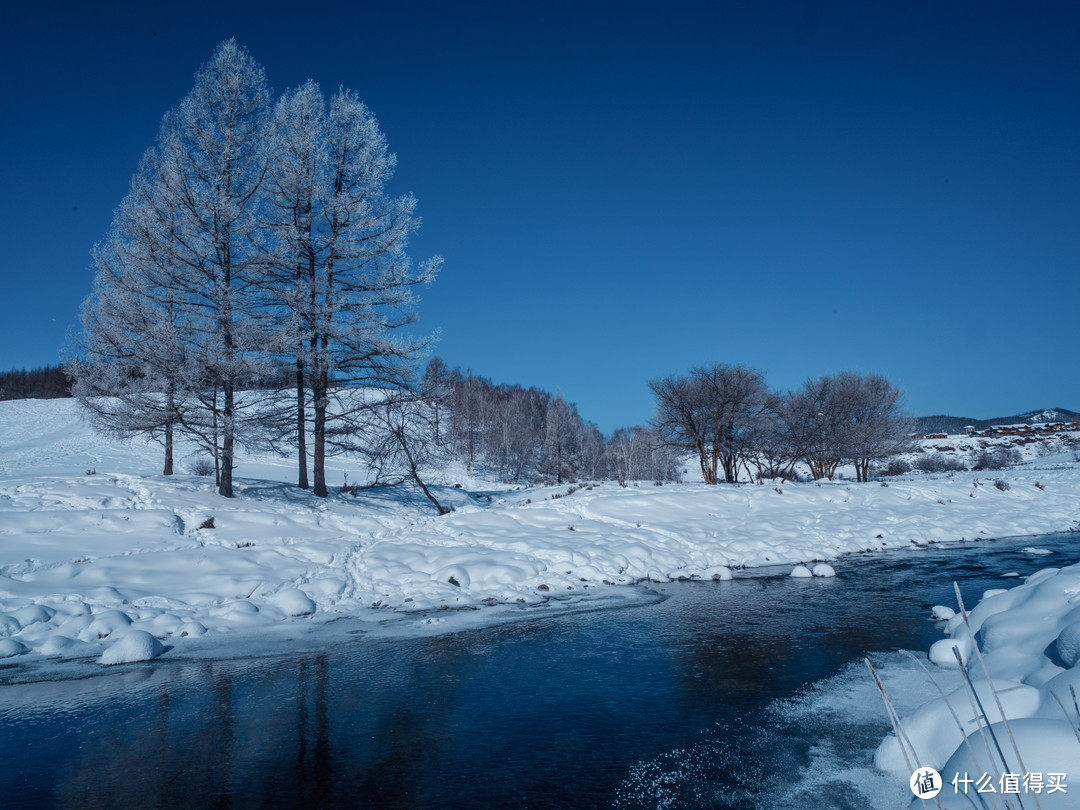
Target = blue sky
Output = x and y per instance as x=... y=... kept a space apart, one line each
x=624 y=190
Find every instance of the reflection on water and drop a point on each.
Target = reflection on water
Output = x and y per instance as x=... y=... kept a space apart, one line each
x=575 y=711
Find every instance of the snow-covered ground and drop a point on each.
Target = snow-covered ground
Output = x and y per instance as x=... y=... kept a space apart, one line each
x=1020 y=647
x=96 y=545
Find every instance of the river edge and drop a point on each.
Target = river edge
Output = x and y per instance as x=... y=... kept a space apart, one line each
x=318 y=633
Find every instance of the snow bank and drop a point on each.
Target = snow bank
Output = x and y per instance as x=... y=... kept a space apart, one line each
x=95 y=545
x=1029 y=637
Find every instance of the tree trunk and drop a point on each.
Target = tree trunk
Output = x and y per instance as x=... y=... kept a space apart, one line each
x=301 y=425
x=168 y=447
x=319 y=457
x=228 y=442
x=319 y=385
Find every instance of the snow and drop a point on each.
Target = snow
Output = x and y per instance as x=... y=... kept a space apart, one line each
x=137 y=645
x=942 y=613
x=1029 y=641
x=96 y=546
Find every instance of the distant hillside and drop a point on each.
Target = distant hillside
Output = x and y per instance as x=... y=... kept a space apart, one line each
x=956 y=424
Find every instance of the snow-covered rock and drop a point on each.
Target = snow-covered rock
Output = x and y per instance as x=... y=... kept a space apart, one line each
x=801 y=571
x=9 y=648
x=58 y=645
x=32 y=614
x=9 y=625
x=823 y=570
x=1025 y=635
x=104 y=624
x=136 y=645
x=191 y=629
x=941 y=613
x=292 y=602
x=1068 y=644
x=941 y=652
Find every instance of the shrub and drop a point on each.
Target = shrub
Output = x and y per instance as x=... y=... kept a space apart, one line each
x=1002 y=484
x=997 y=459
x=938 y=463
x=896 y=466
x=202 y=466
x=350 y=489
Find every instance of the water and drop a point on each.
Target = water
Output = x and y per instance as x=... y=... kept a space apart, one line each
x=729 y=694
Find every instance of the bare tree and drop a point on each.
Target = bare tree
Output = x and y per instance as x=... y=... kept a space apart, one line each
x=560 y=453
x=394 y=434
x=846 y=418
x=715 y=412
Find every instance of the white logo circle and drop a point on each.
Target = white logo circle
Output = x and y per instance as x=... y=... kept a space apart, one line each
x=925 y=783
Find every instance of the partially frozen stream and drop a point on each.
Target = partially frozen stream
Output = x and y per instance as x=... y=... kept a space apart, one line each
x=703 y=699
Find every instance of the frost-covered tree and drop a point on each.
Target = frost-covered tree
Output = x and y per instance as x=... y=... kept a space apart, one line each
x=295 y=174
x=213 y=160
x=340 y=266
x=175 y=330
x=131 y=369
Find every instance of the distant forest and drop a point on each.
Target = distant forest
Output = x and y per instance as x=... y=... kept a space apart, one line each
x=48 y=382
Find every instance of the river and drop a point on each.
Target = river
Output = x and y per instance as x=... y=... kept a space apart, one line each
x=747 y=693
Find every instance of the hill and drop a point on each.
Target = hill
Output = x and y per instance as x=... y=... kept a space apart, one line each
x=956 y=424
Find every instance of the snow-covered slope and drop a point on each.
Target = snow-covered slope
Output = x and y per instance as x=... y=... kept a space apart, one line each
x=87 y=559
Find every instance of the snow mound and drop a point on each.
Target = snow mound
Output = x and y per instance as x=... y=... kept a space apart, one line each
x=137 y=645
x=1068 y=644
x=1047 y=746
x=801 y=571
x=941 y=652
x=9 y=625
x=104 y=624
x=941 y=613
x=824 y=570
x=32 y=614
x=292 y=602
x=9 y=648
x=934 y=733
x=58 y=645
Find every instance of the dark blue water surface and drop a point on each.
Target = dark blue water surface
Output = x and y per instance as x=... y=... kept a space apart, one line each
x=664 y=704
